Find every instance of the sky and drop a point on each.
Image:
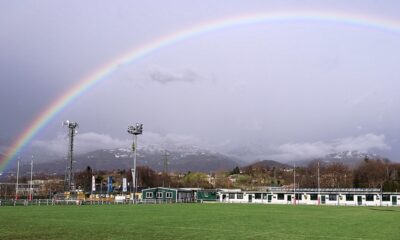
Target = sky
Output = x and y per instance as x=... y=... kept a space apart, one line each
x=284 y=90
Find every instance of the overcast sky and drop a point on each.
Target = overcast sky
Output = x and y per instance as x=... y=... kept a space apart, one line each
x=285 y=90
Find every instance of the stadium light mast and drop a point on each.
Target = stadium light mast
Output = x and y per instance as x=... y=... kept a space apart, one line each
x=135 y=130
x=69 y=173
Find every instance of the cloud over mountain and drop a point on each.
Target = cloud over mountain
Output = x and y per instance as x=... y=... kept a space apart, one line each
x=309 y=150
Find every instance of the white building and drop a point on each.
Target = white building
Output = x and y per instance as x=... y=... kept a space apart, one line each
x=327 y=196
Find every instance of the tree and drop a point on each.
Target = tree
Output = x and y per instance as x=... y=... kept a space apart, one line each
x=371 y=174
x=235 y=170
x=83 y=179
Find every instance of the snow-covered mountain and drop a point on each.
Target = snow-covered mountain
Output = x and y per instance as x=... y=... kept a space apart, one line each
x=350 y=157
x=182 y=159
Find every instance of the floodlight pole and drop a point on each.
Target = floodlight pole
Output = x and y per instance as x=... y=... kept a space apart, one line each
x=135 y=130
x=69 y=184
x=134 y=168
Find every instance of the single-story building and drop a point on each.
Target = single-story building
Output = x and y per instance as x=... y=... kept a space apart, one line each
x=207 y=195
x=328 y=196
x=166 y=195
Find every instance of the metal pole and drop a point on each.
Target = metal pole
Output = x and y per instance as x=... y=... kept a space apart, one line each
x=318 y=184
x=165 y=172
x=138 y=129
x=16 y=186
x=134 y=169
x=31 y=184
x=294 y=183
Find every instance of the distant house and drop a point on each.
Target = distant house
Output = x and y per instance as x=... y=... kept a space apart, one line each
x=167 y=195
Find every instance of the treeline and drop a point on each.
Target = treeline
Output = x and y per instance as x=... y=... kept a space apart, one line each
x=370 y=173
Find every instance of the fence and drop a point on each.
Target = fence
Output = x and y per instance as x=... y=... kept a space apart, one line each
x=52 y=202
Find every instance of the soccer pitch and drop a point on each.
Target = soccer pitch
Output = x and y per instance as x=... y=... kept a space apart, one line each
x=199 y=221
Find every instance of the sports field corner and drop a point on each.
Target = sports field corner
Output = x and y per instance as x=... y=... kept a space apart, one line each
x=199 y=221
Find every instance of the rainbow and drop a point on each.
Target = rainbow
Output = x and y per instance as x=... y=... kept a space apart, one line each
x=138 y=53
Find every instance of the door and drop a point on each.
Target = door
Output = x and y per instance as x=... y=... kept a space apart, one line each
x=269 y=198
x=394 y=200
x=323 y=199
x=250 y=198
x=289 y=198
x=359 y=200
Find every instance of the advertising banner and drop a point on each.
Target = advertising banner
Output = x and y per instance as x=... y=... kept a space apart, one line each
x=110 y=187
x=93 y=184
x=124 y=185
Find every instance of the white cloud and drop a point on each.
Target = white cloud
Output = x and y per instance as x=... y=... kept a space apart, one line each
x=309 y=150
x=84 y=142
x=91 y=141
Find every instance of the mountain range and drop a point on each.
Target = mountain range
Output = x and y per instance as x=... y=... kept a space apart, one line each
x=178 y=161
x=182 y=159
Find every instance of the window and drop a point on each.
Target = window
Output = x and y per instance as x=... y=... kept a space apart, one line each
x=149 y=195
x=298 y=196
x=159 y=194
x=349 y=197
x=332 y=197
x=257 y=196
x=231 y=196
x=168 y=194
x=281 y=196
x=386 y=197
x=313 y=196
x=239 y=196
x=264 y=196
x=369 y=197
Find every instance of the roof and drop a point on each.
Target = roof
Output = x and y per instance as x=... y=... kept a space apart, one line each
x=173 y=189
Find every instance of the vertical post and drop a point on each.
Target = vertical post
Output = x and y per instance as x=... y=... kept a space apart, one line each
x=138 y=129
x=134 y=170
x=165 y=172
x=31 y=184
x=16 y=186
x=318 y=184
x=294 y=182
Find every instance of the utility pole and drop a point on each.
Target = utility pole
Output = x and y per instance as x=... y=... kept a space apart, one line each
x=16 y=186
x=134 y=130
x=165 y=172
x=294 y=182
x=318 y=183
x=69 y=184
x=31 y=184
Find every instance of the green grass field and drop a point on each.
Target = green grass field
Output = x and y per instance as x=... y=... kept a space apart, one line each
x=199 y=221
